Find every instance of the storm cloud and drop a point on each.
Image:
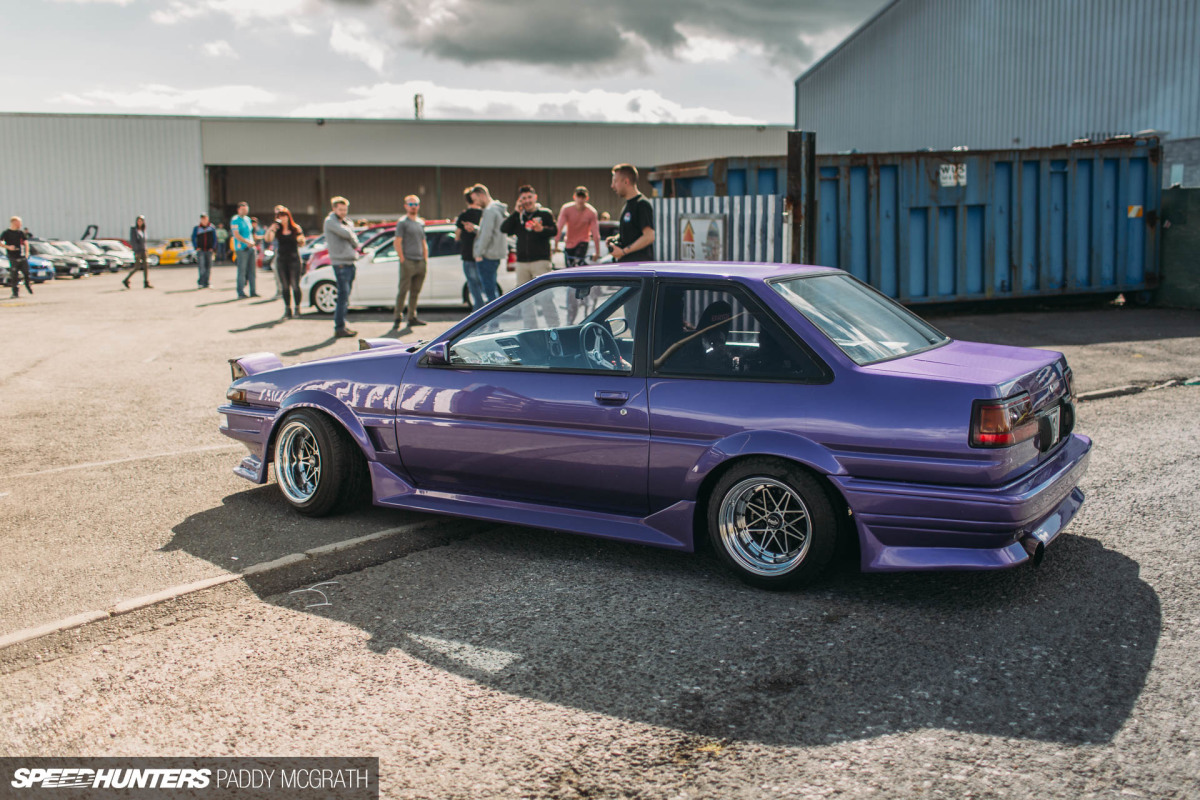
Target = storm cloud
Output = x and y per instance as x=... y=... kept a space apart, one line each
x=574 y=33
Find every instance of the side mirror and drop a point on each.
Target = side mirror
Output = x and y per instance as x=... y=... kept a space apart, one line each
x=437 y=354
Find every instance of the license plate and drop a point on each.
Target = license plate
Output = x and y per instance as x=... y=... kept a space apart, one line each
x=1053 y=416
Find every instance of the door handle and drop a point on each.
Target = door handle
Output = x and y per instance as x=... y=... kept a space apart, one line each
x=611 y=398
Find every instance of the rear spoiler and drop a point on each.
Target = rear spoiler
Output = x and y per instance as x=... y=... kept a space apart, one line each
x=252 y=364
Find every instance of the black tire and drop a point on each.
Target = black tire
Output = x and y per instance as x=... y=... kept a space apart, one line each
x=773 y=550
x=341 y=480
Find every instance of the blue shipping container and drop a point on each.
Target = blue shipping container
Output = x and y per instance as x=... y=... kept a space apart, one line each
x=946 y=226
x=972 y=225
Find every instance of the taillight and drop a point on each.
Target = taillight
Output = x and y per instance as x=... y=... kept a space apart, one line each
x=1003 y=423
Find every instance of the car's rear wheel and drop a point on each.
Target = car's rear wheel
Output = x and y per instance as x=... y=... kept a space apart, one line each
x=324 y=297
x=772 y=523
x=318 y=467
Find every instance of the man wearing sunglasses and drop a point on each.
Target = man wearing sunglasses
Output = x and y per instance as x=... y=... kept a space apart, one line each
x=413 y=252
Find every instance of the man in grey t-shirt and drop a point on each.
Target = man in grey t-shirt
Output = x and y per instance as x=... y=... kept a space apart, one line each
x=413 y=251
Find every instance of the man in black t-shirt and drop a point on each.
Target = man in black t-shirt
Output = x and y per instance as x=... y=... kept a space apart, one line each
x=468 y=224
x=16 y=247
x=635 y=235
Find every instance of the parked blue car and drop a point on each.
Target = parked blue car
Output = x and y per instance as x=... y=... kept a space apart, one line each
x=771 y=409
x=40 y=270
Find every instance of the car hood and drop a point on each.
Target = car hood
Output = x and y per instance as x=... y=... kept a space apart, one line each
x=1007 y=369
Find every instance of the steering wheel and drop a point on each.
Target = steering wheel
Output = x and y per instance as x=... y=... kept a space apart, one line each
x=603 y=351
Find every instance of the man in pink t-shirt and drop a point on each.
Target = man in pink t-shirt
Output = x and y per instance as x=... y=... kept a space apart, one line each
x=577 y=220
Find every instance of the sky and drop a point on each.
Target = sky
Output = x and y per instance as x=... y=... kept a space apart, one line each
x=698 y=61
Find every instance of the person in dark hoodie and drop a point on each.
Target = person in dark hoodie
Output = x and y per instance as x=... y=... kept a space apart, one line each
x=534 y=228
x=137 y=243
x=204 y=242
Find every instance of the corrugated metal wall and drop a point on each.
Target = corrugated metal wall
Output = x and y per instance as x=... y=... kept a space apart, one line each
x=62 y=173
x=1006 y=73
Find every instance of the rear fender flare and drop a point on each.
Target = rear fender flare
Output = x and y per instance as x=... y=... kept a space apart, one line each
x=322 y=401
x=778 y=444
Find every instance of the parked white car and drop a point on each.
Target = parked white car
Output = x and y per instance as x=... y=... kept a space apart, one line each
x=377 y=277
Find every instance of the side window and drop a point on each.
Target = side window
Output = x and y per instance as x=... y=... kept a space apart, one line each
x=176 y=244
x=707 y=331
x=443 y=243
x=564 y=326
x=387 y=252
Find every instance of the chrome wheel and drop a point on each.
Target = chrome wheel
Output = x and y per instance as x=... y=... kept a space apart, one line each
x=765 y=526
x=325 y=297
x=297 y=462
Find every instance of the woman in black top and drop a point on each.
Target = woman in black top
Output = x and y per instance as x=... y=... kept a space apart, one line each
x=288 y=240
x=137 y=242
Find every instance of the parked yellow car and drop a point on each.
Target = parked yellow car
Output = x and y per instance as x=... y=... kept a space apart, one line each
x=171 y=251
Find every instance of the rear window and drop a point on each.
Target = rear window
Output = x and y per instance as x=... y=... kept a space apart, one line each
x=866 y=325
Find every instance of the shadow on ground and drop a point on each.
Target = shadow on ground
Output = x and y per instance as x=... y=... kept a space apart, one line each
x=1059 y=653
x=258 y=525
x=1071 y=326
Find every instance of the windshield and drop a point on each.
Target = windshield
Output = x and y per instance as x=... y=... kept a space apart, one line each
x=91 y=247
x=114 y=247
x=67 y=247
x=45 y=249
x=867 y=326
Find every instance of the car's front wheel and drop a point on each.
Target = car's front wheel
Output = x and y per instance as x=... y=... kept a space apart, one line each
x=772 y=523
x=152 y=260
x=324 y=297
x=318 y=467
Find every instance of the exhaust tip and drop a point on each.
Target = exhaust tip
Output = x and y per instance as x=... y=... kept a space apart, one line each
x=1035 y=548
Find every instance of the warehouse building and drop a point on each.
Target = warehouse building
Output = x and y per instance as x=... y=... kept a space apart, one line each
x=65 y=172
x=1008 y=74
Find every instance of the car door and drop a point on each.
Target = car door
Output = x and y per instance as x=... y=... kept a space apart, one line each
x=541 y=402
x=444 y=278
x=720 y=363
x=377 y=278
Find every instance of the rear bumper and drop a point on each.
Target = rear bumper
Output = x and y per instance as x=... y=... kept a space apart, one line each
x=906 y=526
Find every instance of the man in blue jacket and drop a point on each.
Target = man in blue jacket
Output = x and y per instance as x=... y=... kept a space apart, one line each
x=204 y=242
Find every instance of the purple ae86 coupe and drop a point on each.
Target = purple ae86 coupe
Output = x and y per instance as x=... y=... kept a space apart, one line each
x=771 y=408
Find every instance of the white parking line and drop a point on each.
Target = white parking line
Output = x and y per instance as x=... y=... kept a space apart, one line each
x=206 y=449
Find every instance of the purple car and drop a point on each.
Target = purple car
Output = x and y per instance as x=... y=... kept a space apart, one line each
x=775 y=409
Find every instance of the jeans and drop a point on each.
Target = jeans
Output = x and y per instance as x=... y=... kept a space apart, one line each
x=287 y=270
x=204 y=265
x=471 y=270
x=412 y=278
x=16 y=267
x=245 y=271
x=575 y=256
x=487 y=268
x=139 y=262
x=345 y=282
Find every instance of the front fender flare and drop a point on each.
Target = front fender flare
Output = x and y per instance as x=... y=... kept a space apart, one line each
x=323 y=401
x=778 y=444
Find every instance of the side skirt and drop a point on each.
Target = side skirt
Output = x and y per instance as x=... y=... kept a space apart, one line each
x=664 y=529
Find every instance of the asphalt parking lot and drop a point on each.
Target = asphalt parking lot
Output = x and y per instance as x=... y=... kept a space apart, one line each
x=511 y=662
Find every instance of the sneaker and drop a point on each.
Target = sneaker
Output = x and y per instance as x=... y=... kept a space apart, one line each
x=344 y=333
x=415 y=321
x=254 y=294
x=241 y=297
